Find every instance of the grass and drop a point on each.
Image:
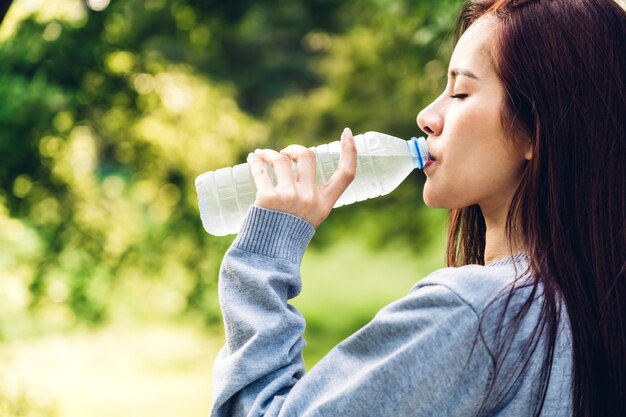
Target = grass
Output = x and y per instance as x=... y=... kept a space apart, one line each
x=160 y=371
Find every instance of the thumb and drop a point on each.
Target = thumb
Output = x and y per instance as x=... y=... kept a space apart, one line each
x=346 y=170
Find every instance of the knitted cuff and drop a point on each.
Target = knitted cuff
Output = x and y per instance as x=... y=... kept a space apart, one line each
x=275 y=234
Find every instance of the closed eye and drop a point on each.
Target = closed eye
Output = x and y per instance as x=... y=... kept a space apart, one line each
x=459 y=96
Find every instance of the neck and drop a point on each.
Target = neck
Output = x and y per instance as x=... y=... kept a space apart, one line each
x=497 y=246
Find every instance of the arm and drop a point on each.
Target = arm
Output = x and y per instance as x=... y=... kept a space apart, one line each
x=262 y=356
x=412 y=359
x=261 y=271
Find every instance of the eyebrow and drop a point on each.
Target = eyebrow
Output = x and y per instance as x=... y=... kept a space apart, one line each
x=459 y=71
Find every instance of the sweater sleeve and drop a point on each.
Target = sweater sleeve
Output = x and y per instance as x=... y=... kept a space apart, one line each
x=418 y=356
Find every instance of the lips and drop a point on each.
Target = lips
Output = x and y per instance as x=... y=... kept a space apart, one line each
x=431 y=160
x=431 y=157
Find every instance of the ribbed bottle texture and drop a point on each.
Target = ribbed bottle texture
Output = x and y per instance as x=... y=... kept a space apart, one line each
x=383 y=162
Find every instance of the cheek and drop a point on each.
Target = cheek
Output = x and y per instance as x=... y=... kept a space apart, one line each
x=481 y=122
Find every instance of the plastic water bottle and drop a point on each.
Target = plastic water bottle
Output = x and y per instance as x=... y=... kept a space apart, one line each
x=383 y=162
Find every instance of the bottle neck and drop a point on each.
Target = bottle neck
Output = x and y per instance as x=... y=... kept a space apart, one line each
x=419 y=151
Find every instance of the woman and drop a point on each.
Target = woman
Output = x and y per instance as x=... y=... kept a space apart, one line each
x=528 y=141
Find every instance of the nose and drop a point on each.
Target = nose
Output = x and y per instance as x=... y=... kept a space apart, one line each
x=430 y=120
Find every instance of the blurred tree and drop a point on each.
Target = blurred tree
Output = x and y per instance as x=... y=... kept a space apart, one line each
x=101 y=144
x=107 y=117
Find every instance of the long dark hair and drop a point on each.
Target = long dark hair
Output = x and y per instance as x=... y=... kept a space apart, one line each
x=4 y=8
x=563 y=65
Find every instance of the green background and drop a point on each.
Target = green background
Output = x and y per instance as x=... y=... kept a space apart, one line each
x=109 y=111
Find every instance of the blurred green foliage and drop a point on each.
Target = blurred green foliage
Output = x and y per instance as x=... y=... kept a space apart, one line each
x=24 y=406
x=108 y=116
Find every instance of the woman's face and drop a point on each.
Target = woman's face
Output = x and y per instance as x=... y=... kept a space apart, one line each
x=476 y=160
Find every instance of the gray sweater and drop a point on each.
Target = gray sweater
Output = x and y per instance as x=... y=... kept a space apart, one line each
x=426 y=354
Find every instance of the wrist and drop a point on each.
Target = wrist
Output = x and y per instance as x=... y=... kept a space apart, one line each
x=274 y=233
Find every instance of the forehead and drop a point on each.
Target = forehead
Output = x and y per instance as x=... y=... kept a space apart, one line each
x=473 y=50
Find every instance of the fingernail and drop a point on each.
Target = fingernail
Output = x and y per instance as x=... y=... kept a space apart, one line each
x=347 y=131
x=252 y=157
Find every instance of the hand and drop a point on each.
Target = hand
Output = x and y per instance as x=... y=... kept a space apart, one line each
x=301 y=197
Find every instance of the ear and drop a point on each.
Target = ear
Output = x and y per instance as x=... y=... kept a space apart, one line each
x=527 y=148
x=528 y=153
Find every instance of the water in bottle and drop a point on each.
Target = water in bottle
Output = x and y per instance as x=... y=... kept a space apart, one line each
x=383 y=162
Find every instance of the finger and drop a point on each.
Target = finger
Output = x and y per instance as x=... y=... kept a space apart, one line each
x=305 y=160
x=346 y=170
x=281 y=164
x=293 y=150
x=260 y=175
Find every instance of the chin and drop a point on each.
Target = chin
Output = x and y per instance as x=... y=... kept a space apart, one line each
x=440 y=202
x=433 y=202
x=431 y=198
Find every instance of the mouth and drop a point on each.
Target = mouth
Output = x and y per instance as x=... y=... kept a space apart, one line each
x=431 y=160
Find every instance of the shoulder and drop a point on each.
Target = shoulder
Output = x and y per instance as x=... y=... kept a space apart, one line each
x=479 y=286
